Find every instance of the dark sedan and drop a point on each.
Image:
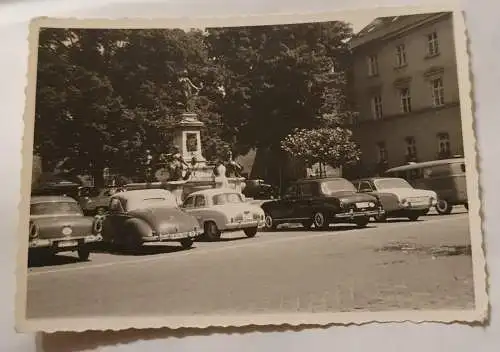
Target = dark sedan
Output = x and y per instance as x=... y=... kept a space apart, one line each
x=320 y=202
x=148 y=215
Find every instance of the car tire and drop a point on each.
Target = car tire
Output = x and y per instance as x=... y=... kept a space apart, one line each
x=320 y=221
x=307 y=224
x=380 y=218
x=250 y=231
x=270 y=224
x=362 y=221
x=211 y=231
x=443 y=207
x=83 y=254
x=132 y=242
x=413 y=217
x=187 y=243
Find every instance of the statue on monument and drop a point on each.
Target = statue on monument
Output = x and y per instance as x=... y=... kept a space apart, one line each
x=189 y=89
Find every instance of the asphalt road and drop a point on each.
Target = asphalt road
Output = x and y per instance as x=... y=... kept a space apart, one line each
x=395 y=265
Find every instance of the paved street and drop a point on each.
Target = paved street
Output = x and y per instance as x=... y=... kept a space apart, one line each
x=395 y=265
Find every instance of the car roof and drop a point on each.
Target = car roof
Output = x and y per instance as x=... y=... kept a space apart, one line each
x=374 y=178
x=426 y=164
x=214 y=191
x=319 y=179
x=46 y=199
x=141 y=193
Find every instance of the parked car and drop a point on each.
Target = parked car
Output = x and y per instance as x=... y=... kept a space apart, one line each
x=446 y=177
x=398 y=197
x=257 y=189
x=95 y=201
x=223 y=210
x=319 y=202
x=147 y=215
x=57 y=224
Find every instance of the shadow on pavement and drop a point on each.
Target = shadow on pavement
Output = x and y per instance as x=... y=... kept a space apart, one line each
x=225 y=239
x=332 y=228
x=56 y=260
x=143 y=251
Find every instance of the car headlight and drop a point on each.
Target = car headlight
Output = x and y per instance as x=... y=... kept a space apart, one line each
x=371 y=204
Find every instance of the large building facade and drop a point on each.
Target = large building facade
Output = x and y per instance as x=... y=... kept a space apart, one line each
x=406 y=89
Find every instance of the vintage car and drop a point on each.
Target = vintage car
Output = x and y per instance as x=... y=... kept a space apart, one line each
x=319 y=202
x=223 y=210
x=446 y=177
x=398 y=197
x=95 y=201
x=147 y=215
x=57 y=224
x=257 y=189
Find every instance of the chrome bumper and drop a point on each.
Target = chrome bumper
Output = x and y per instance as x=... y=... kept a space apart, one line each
x=244 y=224
x=173 y=236
x=356 y=214
x=44 y=243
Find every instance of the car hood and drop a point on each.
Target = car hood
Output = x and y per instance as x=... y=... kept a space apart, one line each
x=159 y=216
x=409 y=192
x=352 y=197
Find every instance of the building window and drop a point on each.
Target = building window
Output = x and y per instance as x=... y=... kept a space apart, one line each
x=432 y=44
x=400 y=55
x=405 y=97
x=382 y=152
x=444 y=149
x=411 y=149
x=437 y=92
x=372 y=65
x=377 y=112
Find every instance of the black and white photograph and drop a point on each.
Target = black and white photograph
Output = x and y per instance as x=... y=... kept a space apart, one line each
x=249 y=171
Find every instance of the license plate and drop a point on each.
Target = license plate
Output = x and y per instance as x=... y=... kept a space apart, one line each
x=65 y=244
x=362 y=205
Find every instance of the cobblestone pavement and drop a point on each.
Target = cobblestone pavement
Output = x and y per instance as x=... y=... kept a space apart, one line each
x=397 y=265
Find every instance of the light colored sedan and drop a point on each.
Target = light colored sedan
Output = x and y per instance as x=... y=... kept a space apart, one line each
x=398 y=197
x=223 y=210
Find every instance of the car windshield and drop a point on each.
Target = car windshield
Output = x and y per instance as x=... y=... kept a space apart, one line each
x=387 y=183
x=55 y=208
x=227 y=198
x=339 y=185
x=142 y=203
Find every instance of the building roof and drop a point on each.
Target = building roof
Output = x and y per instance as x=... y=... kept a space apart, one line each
x=427 y=164
x=383 y=27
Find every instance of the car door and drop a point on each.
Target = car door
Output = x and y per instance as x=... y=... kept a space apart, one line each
x=114 y=221
x=284 y=208
x=307 y=193
x=388 y=201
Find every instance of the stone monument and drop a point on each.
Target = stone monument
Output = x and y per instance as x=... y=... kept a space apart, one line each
x=187 y=138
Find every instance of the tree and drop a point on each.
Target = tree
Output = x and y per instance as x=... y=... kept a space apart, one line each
x=106 y=96
x=280 y=78
x=331 y=146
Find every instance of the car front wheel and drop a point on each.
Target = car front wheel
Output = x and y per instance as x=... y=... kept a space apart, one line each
x=250 y=232
x=269 y=222
x=212 y=232
x=187 y=243
x=320 y=221
x=362 y=221
x=443 y=207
